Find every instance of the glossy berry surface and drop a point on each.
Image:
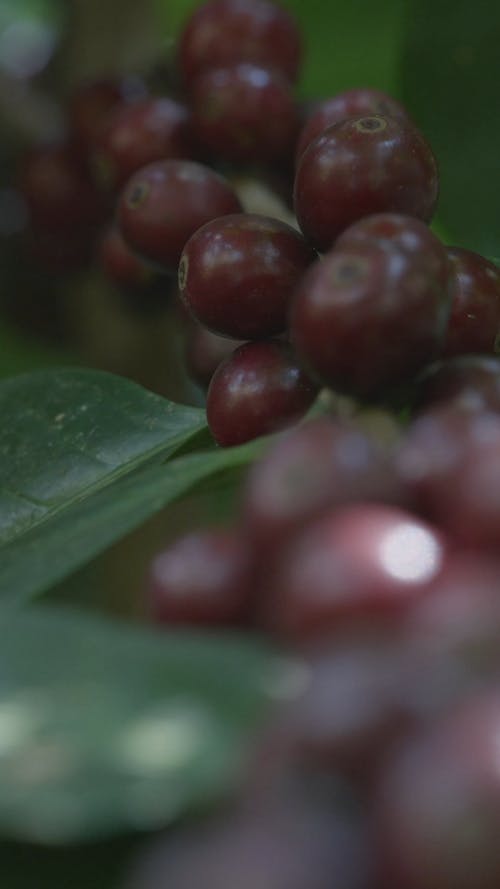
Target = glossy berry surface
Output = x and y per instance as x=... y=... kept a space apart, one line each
x=406 y=233
x=362 y=166
x=368 y=316
x=137 y=134
x=474 y=324
x=237 y=274
x=362 y=562
x=438 y=806
x=317 y=466
x=261 y=388
x=201 y=578
x=164 y=203
x=227 y=32
x=244 y=113
x=359 y=102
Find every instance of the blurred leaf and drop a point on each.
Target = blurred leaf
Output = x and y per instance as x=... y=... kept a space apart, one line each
x=450 y=82
x=347 y=45
x=43 y=553
x=107 y=728
x=29 y=31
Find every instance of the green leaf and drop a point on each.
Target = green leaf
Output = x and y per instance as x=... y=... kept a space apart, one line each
x=450 y=84
x=69 y=433
x=107 y=728
x=347 y=45
x=44 y=554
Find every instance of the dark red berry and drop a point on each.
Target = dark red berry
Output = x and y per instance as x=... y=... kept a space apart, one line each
x=259 y=389
x=361 y=166
x=407 y=233
x=437 y=813
x=164 y=203
x=91 y=104
x=237 y=274
x=138 y=134
x=204 y=351
x=202 y=578
x=450 y=459
x=314 y=467
x=351 y=103
x=369 y=316
x=472 y=381
x=227 y=32
x=474 y=324
x=244 y=113
x=360 y=563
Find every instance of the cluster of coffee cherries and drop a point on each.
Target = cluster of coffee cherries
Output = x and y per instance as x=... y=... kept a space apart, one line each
x=347 y=288
x=372 y=560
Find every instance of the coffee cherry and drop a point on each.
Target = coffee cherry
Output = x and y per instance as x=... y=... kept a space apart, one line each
x=138 y=134
x=91 y=104
x=472 y=381
x=450 y=459
x=202 y=578
x=204 y=351
x=237 y=274
x=438 y=805
x=312 y=468
x=359 y=102
x=244 y=113
x=164 y=203
x=352 y=710
x=259 y=389
x=361 y=166
x=369 y=316
x=362 y=563
x=227 y=32
x=406 y=233
x=474 y=324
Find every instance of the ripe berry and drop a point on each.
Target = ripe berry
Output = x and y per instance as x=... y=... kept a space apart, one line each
x=360 y=563
x=164 y=203
x=91 y=104
x=237 y=274
x=407 y=233
x=469 y=380
x=359 y=102
x=202 y=578
x=244 y=113
x=227 y=32
x=450 y=459
x=259 y=389
x=369 y=316
x=138 y=134
x=314 y=467
x=474 y=324
x=361 y=166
